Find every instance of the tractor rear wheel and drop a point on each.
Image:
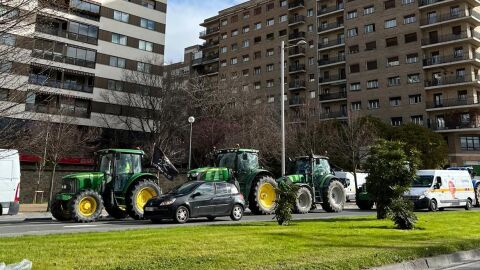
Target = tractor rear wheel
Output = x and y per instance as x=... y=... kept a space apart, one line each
x=262 y=199
x=333 y=197
x=59 y=210
x=304 y=201
x=86 y=206
x=364 y=204
x=139 y=195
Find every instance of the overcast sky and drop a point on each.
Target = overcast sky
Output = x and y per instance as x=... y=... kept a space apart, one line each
x=183 y=19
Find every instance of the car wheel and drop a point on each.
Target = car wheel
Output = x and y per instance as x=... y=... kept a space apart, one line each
x=469 y=204
x=211 y=218
x=237 y=212
x=156 y=220
x=182 y=214
x=433 y=206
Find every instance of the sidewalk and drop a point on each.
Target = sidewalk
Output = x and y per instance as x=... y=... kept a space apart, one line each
x=29 y=208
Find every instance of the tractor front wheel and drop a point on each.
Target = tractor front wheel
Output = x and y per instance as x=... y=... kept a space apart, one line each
x=86 y=206
x=262 y=199
x=139 y=195
x=333 y=197
x=304 y=201
x=59 y=210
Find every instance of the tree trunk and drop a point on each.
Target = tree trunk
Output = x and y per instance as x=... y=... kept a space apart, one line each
x=381 y=211
x=52 y=184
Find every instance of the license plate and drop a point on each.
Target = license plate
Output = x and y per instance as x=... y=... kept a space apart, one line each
x=149 y=209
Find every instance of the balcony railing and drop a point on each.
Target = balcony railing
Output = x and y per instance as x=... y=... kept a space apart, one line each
x=43 y=80
x=332 y=78
x=453 y=102
x=297 y=68
x=330 y=9
x=296 y=19
x=209 y=31
x=326 y=27
x=40 y=108
x=296 y=101
x=211 y=70
x=449 y=16
x=331 y=43
x=328 y=115
x=296 y=35
x=296 y=51
x=455 y=124
x=333 y=60
x=428 y=2
x=65 y=34
x=297 y=84
x=296 y=4
x=211 y=44
x=62 y=59
x=437 y=60
x=332 y=96
x=451 y=80
x=449 y=37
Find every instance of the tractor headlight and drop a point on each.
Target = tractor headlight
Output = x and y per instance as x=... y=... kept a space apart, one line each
x=167 y=202
x=194 y=175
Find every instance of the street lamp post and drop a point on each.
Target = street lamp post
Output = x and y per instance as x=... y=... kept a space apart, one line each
x=191 y=120
x=282 y=96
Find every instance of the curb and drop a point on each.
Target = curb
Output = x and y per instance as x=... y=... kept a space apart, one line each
x=436 y=262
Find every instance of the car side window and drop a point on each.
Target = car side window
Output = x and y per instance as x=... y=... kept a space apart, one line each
x=222 y=188
x=233 y=189
x=206 y=189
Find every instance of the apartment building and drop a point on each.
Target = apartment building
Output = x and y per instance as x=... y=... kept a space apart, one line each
x=404 y=61
x=80 y=51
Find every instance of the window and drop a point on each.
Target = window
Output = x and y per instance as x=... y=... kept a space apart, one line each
x=115 y=85
x=224 y=36
x=395 y=101
x=233 y=61
x=257 y=55
x=356 y=106
x=391 y=42
x=234 y=47
x=372 y=65
x=257 y=11
x=270 y=83
x=310 y=12
x=257 y=40
x=409 y=19
x=370 y=28
x=283 y=18
x=119 y=39
x=223 y=63
x=246 y=43
x=372 y=84
x=257 y=70
x=234 y=19
x=311 y=77
x=223 y=50
x=234 y=32
x=270 y=6
x=373 y=104
x=417 y=119
x=257 y=85
x=313 y=94
x=352 y=32
x=224 y=22
x=5 y=67
x=352 y=14
x=86 y=6
x=270 y=52
x=393 y=81
x=246 y=29
x=470 y=143
x=393 y=61
x=8 y=39
x=311 y=61
x=270 y=22
x=245 y=72
x=462 y=95
x=355 y=68
x=355 y=86
x=413 y=78
x=390 y=23
x=246 y=15
x=368 y=10
x=407 y=2
x=270 y=99
x=144 y=67
x=282 y=33
x=412 y=58
x=246 y=58
x=117 y=62
x=283 y=3
x=415 y=99
x=258 y=26
x=76 y=30
x=353 y=49
x=148 y=4
x=269 y=67
x=412 y=37
x=147 y=24
x=389 y=4
x=270 y=36
x=145 y=45
x=120 y=16
x=396 y=121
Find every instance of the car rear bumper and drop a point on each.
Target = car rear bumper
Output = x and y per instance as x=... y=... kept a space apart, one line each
x=158 y=212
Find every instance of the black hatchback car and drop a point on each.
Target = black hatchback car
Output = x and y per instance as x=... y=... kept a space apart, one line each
x=197 y=199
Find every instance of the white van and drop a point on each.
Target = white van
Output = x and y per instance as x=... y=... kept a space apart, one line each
x=438 y=189
x=9 y=182
x=350 y=189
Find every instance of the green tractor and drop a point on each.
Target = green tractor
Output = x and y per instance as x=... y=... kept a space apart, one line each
x=118 y=185
x=241 y=166
x=317 y=184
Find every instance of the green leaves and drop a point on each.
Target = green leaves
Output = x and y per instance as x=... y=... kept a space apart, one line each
x=286 y=198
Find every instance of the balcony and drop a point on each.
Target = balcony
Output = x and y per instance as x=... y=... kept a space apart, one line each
x=333 y=115
x=330 y=26
x=209 y=31
x=331 y=44
x=297 y=35
x=333 y=96
x=296 y=5
x=296 y=51
x=450 y=59
x=297 y=19
x=49 y=30
x=452 y=80
x=450 y=38
x=211 y=70
x=208 y=45
x=332 y=79
x=297 y=85
x=453 y=125
x=80 y=112
x=330 y=10
x=71 y=83
x=331 y=61
x=435 y=20
x=427 y=3
x=451 y=103
x=297 y=68
x=296 y=101
x=48 y=55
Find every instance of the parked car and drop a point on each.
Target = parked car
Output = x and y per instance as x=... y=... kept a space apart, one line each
x=438 y=189
x=9 y=182
x=197 y=199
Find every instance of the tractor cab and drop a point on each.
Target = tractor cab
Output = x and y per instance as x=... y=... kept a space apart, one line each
x=238 y=160
x=119 y=165
x=304 y=168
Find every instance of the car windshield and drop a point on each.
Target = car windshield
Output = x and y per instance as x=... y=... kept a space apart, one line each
x=226 y=160
x=423 y=181
x=184 y=188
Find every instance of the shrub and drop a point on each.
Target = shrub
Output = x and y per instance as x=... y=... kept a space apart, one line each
x=286 y=197
x=401 y=213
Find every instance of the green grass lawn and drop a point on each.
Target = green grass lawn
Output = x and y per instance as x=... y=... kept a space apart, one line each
x=349 y=243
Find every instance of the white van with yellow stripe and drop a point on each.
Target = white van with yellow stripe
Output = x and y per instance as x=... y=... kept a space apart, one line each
x=439 y=189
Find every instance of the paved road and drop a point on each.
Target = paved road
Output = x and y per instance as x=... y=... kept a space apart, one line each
x=471 y=265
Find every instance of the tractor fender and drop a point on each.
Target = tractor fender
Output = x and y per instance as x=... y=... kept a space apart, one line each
x=327 y=179
x=251 y=178
x=137 y=177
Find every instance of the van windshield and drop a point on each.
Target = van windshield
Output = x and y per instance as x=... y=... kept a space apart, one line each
x=423 y=181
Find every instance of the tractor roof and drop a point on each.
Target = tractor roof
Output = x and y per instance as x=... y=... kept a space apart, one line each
x=231 y=150
x=123 y=151
x=312 y=156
